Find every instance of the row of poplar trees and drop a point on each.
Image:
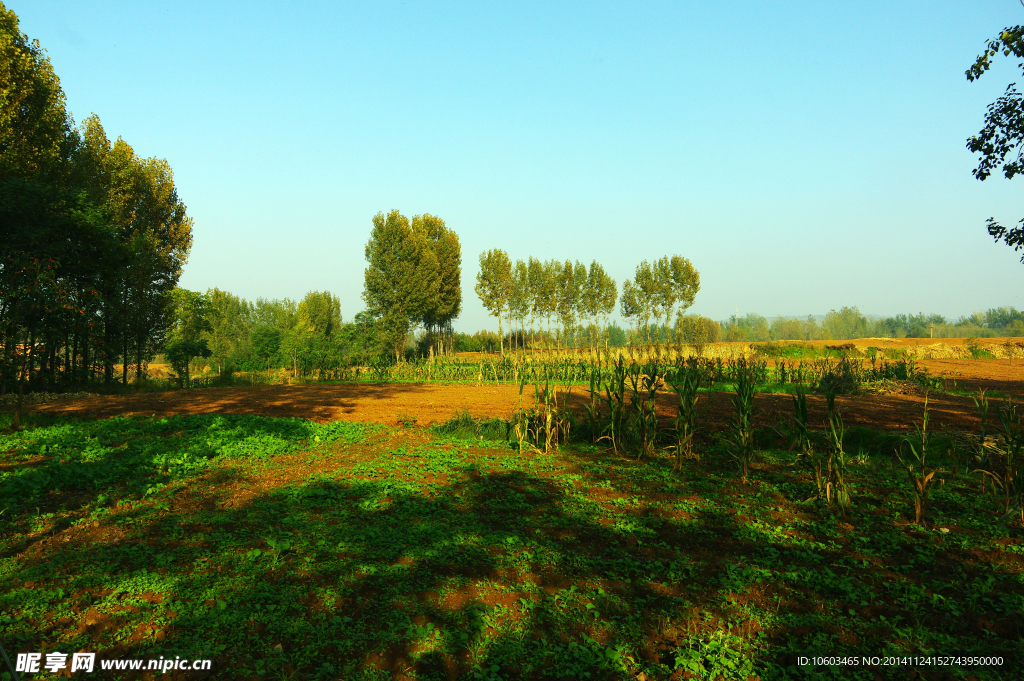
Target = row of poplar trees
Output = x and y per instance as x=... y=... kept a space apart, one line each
x=92 y=237
x=570 y=294
x=577 y=297
x=660 y=290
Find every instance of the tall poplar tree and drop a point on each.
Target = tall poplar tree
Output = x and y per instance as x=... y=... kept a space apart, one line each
x=519 y=301
x=494 y=285
x=601 y=293
x=535 y=278
x=401 y=280
x=440 y=311
x=685 y=282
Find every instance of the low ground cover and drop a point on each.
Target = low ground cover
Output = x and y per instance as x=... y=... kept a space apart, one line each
x=286 y=549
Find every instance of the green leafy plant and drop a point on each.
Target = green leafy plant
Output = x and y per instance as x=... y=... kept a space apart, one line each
x=592 y=407
x=720 y=656
x=1005 y=466
x=741 y=424
x=643 y=420
x=807 y=456
x=980 y=450
x=837 y=487
x=686 y=418
x=920 y=476
x=615 y=400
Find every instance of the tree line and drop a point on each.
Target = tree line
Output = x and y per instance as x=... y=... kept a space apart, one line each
x=567 y=293
x=581 y=300
x=94 y=237
x=848 y=323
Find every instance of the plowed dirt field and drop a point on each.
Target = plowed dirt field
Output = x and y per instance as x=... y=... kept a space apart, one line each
x=390 y=403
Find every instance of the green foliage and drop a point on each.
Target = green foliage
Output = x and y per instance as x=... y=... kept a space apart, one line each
x=279 y=556
x=494 y=285
x=110 y=222
x=33 y=121
x=139 y=452
x=999 y=141
x=752 y=327
x=919 y=474
x=446 y=303
x=191 y=312
x=404 y=280
x=1005 y=468
x=686 y=416
x=741 y=424
x=180 y=353
x=663 y=290
x=319 y=314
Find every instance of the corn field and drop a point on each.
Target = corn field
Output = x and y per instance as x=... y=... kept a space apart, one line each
x=843 y=374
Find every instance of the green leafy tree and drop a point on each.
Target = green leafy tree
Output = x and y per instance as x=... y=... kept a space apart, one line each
x=151 y=232
x=190 y=321
x=519 y=300
x=846 y=324
x=603 y=292
x=535 y=277
x=401 y=281
x=319 y=313
x=111 y=222
x=1000 y=142
x=494 y=286
x=231 y=321
x=663 y=293
x=446 y=304
x=644 y=294
x=34 y=125
x=265 y=344
x=685 y=282
x=570 y=285
x=631 y=305
x=549 y=292
x=590 y=301
x=35 y=304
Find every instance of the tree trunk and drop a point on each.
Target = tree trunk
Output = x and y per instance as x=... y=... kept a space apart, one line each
x=501 y=336
x=140 y=344
x=43 y=368
x=108 y=358
x=85 y=355
x=21 y=389
x=124 y=362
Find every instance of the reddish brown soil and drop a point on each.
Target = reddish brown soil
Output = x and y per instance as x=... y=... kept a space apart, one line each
x=395 y=402
x=1005 y=375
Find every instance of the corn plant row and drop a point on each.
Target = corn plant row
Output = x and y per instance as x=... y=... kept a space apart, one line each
x=841 y=375
x=621 y=411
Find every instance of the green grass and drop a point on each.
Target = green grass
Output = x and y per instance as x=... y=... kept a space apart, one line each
x=285 y=549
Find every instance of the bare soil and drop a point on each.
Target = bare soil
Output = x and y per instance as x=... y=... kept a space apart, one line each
x=391 y=403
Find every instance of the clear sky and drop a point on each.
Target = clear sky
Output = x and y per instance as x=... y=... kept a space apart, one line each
x=803 y=155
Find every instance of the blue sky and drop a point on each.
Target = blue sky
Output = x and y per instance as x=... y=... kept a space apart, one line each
x=803 y=155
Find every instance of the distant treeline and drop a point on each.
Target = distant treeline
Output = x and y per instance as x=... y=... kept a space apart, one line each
x=310 y=338
x=849 y=323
